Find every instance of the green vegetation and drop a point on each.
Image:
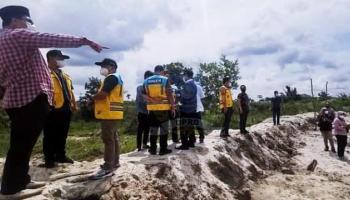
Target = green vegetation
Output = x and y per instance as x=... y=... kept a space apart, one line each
x=262 y=110
x=84 y=142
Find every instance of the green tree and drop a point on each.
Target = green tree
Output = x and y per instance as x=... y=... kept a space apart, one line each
x=175 y=71
x=323 y=95
x=292 y=93
x=210 y=76
x=85 y=102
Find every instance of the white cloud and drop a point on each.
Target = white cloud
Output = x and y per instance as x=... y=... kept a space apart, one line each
x=276 y=42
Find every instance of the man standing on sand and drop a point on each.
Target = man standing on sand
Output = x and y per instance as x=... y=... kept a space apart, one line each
x=199 y=111
x=325 y=119
x=109 y=109
x=57 y=123
x=188 y=111
x=160 y=103
x=142 y=116
x=226 y=105
x=25 y=79
x=276 y=102
x=243 y=105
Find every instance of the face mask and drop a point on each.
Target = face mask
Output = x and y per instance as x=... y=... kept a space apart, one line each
x=60 y=63
x=30 y=26
x=184 y=79
x=229 y=84
x=104 y=71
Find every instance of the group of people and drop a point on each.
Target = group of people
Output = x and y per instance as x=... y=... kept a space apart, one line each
x=227 y=107
x=39 y=97
x=333 y=124
x=159 y=102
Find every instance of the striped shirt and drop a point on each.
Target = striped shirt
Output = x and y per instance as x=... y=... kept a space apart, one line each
x=23 y=72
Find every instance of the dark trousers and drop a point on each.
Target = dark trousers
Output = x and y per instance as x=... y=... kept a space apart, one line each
x=55 y=134
x=342 y=142
x=187 y=128
x=27 y=123
x=142 y=129
x=276 y=116
x=199 y=126
x=243 y=121
x=227 y=120
x=159 y=121
x=174 y=127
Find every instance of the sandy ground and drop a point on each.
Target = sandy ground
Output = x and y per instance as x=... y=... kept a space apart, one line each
x=329 y=181
x=218 y=169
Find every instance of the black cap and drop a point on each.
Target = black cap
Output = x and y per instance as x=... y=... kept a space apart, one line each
x=188 y=72
x=9 y=12
x=107 y=61
x=56 y=53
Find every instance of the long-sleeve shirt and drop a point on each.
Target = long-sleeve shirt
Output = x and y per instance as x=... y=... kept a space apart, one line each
x=276 y=103
x=141 y=103
x=23 y=72
x=339 y=127
x=200 y=96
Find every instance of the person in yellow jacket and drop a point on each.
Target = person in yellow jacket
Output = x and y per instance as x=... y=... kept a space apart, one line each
x=226 y=105
x=160 y=104
x=109 y=109
x=57 y=123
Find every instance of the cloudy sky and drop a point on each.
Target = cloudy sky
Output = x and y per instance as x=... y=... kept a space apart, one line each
x=277 y=42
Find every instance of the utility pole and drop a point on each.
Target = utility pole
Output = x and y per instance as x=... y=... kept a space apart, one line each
x=327 y=90
x=313 y=103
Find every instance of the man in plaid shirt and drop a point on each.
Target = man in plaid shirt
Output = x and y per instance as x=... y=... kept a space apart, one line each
x=26 y=89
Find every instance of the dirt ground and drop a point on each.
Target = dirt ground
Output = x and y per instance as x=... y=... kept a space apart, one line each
x=329 y=181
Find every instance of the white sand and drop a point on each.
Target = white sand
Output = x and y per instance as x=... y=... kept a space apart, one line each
x=330 y=181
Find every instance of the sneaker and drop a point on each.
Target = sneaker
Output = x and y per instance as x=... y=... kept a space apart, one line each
x=167 y=151
x=326 y=149
x=152 y=152
x=182 y=147
x=145 y=146
x=64 y=160
x=333 y=150
x=101 y=174
x=201 y=141
x=35 y=185
x=47 y=164
x=245 y=131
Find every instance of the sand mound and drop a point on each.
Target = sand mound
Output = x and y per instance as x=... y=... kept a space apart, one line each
x=218 y=169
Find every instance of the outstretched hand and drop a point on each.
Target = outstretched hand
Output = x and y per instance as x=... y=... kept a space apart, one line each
x=97 y=47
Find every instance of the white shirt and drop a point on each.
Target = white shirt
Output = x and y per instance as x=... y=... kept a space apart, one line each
x=200 y=96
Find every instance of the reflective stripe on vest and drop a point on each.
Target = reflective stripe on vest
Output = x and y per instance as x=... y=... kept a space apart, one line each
x=58 y=97
x=155 y=87
x=228 y=98
x=112 y=106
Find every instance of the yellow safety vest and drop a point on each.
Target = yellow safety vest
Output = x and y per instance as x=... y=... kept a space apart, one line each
x=155 y=87
x=228 y=98
x=112 y=106
x=58 y=96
